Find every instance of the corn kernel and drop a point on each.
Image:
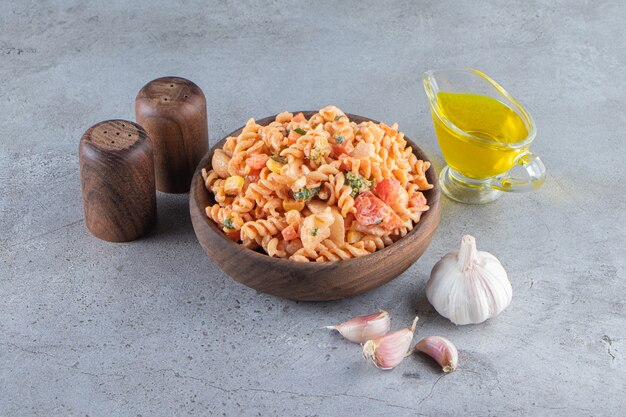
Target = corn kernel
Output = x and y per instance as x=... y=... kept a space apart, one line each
x=274 y=165
x=290 y=204
x=353 y=236
x=233 y=185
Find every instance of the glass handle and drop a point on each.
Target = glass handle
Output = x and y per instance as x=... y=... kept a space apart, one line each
x=531 y=177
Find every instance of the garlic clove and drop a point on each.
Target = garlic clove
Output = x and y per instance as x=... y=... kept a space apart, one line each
x=363 y=328
x=440 y=349
x=469 y=286
x=386 y=352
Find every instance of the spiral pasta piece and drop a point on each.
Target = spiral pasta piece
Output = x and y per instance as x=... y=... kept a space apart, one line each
x=329 y=251
x=209 y=177
x=343 y=194
x=304 y=255
x=229 y=220
x=263 y=227
x=260 y=191
x=273 y=246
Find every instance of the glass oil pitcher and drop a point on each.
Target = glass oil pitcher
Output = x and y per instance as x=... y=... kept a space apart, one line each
x=484 y=135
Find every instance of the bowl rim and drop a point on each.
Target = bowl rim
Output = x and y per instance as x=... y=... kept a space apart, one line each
x=430 y=216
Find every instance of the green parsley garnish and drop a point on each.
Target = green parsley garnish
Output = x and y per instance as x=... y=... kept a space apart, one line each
x=357 y=183
x=228 y=223
x=306 y=193
x=279 y=159
x=339 y=116
x=300 y=131
x=339 y=139
x=314 y=231
x=379 y=222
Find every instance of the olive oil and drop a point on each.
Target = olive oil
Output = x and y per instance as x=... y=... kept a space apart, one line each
x=495 y=124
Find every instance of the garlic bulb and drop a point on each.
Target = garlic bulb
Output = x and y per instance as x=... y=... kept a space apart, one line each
x=468 y=286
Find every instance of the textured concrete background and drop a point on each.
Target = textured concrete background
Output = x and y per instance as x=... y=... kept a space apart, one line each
x=154 y=328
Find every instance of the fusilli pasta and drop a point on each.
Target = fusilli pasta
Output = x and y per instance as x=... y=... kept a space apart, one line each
x=321 y=189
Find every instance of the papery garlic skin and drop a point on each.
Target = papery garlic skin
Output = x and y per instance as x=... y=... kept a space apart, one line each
x=386 y=352
x=363 y=328
x=440 y=349
x=469 y=286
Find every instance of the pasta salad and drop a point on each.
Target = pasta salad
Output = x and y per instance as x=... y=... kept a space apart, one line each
x=318 y=189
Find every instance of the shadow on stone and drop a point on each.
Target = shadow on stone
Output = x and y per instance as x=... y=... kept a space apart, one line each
x=173 y=220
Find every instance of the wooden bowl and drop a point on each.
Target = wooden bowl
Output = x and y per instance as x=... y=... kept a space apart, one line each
x=313 y=281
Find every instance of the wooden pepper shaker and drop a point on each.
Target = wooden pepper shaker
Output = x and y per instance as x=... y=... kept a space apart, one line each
x=173 y=112
x=117 y=179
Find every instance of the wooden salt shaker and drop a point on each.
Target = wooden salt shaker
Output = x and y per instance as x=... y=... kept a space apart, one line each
x=117 y=179
x=173 y=112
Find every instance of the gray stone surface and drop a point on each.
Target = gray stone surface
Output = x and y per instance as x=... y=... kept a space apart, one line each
x=154 y=328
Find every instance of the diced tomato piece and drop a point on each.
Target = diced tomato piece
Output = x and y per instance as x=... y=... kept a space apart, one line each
x=344 y=148
x=298 y=118
x=234 y=235
x=417 y=200
x=290 y=233
x=388 y=190
x=392 y=221
x=370 y=210
x=257 y=161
